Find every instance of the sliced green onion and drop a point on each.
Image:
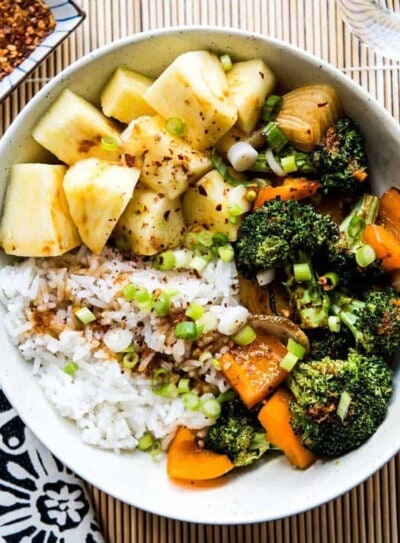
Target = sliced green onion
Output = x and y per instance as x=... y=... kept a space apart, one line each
x=224 y=170
x=186 y=330
x=208 y=322
x=175 y=126
x=156 y=449
x=191 y=401
x=334 y=323
x=143 y=298
x=169 y=390
x=108 y=143
x=288 y=164
x=205 y=356
x=129 y=292
x=226 y=62
x=365 y=255
x=159 y=378
x=145 y=442
x=162 y=304
x=205 y=237
x=70 y=368
x=129 y=360
x=271 y=107
x=183 y=386
x=194 y=311
x=295 y=348
x=165 y=261
x=85 y=315
x=302 y=272
x=216 y=364
x=329 y=281
x=226 y=396
x=219 y=239
x=343 y=405
x=211 y=408
x=356 y=225
x=198 y=263
x=234 y=212
x=276 y=139
x=191 y=240
x=244 y=336
x=226 y=253
x=288 y=362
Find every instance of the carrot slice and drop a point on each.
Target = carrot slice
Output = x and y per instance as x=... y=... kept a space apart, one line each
x=253 y=370
x=389 y=211
x=386 y=246
x=275 y=417
x=291 y=189
x=187 y=461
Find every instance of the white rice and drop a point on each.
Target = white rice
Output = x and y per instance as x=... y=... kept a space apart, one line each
x=111 y=407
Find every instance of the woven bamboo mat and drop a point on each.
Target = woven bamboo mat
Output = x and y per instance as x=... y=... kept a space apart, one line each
x=370 y=512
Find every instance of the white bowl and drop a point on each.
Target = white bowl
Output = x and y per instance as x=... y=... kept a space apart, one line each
x=272 y=489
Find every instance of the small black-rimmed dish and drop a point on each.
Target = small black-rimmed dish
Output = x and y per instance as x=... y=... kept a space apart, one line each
x=68 y=16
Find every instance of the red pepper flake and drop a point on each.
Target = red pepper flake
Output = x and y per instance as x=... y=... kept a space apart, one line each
x=23 y=26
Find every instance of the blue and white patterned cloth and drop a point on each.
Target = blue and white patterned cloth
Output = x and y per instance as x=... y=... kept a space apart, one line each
x=41 y=501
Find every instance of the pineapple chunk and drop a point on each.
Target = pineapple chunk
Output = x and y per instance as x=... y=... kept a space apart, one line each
x=72 y=130
x=97 y=193
x=167 y=162
x=36 y=220
x=122 y=97
x=151 y=223
x=194 y=89
x=209 y=204
x=250 y=82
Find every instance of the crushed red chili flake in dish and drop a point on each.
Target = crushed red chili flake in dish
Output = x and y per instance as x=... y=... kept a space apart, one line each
x=23 y=26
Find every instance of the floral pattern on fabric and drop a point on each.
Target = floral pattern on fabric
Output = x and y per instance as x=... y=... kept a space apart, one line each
x=40 y=499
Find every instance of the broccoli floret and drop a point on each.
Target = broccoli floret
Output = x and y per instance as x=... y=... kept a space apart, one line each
x=324 y=343
x=311 y=302
x=340 y=160
x=374 y=320
x=339 y=404
x=238 y=434
x=340 y=255
x=270 y=236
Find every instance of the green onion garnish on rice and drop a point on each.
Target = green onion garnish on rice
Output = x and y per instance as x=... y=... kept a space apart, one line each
x=145 y=443
x=129 y=292
x=70 y=368
x=216 y=364
x=84 y=315
x=194 y=311
x=183 y=386
x=188 y=330
x=226 y=253
x=130 y=360
x=191 y=401
x=162 y=304
x=160 y=378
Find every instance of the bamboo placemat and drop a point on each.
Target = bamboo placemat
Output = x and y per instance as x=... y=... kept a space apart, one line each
x=370 y=512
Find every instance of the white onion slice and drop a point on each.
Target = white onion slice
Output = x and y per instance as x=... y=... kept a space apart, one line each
x=265 y=277
x=273 y=164
x=242 y=156
x=117 y=339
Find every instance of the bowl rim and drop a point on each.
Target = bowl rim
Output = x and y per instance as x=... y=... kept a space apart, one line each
x=39 y=429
